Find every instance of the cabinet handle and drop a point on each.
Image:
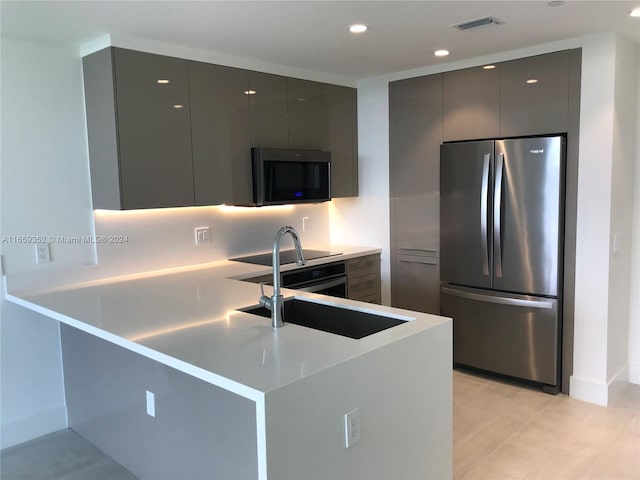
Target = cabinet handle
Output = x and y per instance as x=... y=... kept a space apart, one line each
x=427 y=250
x=425 y=261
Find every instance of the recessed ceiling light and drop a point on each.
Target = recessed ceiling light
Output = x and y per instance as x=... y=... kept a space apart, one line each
x=249 y=92
x=532 y=80
x=556 y=3
x=358 y=28
x=441 y=53
x=635 y=12
x=489 y=67
x=162 y=81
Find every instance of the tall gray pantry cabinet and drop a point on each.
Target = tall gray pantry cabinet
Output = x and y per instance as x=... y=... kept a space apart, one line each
x=415 y=135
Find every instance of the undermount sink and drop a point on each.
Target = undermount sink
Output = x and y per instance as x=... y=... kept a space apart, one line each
x=331 y=319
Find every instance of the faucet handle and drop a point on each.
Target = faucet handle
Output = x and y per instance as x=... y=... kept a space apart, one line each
x=262 y=289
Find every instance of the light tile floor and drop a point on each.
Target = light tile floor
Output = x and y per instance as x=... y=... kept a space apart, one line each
x=500 y=431
x=507 y=431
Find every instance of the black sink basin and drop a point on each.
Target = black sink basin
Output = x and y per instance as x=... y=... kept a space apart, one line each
x=341 y=321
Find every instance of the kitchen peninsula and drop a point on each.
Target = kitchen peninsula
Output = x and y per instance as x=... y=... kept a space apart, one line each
x=165 y=375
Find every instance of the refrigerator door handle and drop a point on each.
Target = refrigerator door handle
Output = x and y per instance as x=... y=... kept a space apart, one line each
x=497 y=214
x=516 y=302
x=484 y=201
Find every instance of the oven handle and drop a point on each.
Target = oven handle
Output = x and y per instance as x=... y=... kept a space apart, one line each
x=316 y=287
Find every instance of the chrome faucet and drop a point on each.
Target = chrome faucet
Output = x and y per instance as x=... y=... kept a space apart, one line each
x=276 y=302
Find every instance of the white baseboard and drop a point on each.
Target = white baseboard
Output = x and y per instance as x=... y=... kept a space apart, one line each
x=634 y=373
x=598 y=392
x=33 y=427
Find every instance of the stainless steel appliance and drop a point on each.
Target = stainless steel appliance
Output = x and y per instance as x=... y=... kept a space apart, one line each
x=284 y=176
x=501 y=231
x=327 y=279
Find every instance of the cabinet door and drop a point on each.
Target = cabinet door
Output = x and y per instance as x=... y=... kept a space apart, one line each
x=417 y=285
x=305 y=114
x=342 y=138
x=220 y=134
x=153 y=130
x=471 y=103
x=415 y=138
x=535 y=95
x=268 y=110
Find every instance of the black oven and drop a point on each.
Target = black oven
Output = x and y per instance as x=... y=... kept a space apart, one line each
x=329 y=279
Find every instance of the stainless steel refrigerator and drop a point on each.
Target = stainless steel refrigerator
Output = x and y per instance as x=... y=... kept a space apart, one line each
x=501 y=238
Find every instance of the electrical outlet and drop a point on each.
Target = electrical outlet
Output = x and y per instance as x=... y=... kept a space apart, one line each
x=306 y=225
x=202 y=235
x=351 y=427
x=42 y=253
x=151 y=404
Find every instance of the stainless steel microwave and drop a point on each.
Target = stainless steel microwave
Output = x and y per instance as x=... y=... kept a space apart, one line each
x=285 y=176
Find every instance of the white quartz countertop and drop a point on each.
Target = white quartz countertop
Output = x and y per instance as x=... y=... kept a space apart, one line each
x=187 y=319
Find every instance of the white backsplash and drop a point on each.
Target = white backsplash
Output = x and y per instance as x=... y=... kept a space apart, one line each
x=145 y=240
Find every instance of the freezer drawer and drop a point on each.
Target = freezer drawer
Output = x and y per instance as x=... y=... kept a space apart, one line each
x=515 y=335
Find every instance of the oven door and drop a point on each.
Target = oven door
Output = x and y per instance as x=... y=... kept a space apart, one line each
x=335 y=287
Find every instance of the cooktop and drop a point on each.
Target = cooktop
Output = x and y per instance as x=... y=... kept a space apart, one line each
x=286 y=256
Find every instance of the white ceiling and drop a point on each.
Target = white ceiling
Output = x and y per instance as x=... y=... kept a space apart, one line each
x=313 y=35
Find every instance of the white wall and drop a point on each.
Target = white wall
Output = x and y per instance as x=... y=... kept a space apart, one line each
x=605 y=198
x=364 y=220
x=634 y=298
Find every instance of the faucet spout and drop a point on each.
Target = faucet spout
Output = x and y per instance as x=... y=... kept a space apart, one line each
x=276 y=302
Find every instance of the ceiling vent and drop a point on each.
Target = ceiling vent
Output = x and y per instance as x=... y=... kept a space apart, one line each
x=479 y=23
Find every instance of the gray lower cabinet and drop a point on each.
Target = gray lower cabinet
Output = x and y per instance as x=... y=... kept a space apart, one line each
x=535 y=95
x=417 y=283
x=268 y=110
x=139 y=139
x=220 y=134
x=341 y=139
x=471 y=103
x=363 y=279
x=199 y=430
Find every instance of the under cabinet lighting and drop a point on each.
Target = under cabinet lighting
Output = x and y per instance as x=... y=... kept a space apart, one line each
x=489 y=67
x=441 y=53
x=163 y=81
x=532 y=80
x=249 y=92
x=178 y=106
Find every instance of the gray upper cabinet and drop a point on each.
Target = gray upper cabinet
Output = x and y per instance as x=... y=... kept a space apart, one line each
x=220 y=134
x=471 y=103
x=268 y=110
x=139 y=139
x=168 y=132
x=535 y=95
x=341 y=138
x=415 y=138
x=305 y=120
